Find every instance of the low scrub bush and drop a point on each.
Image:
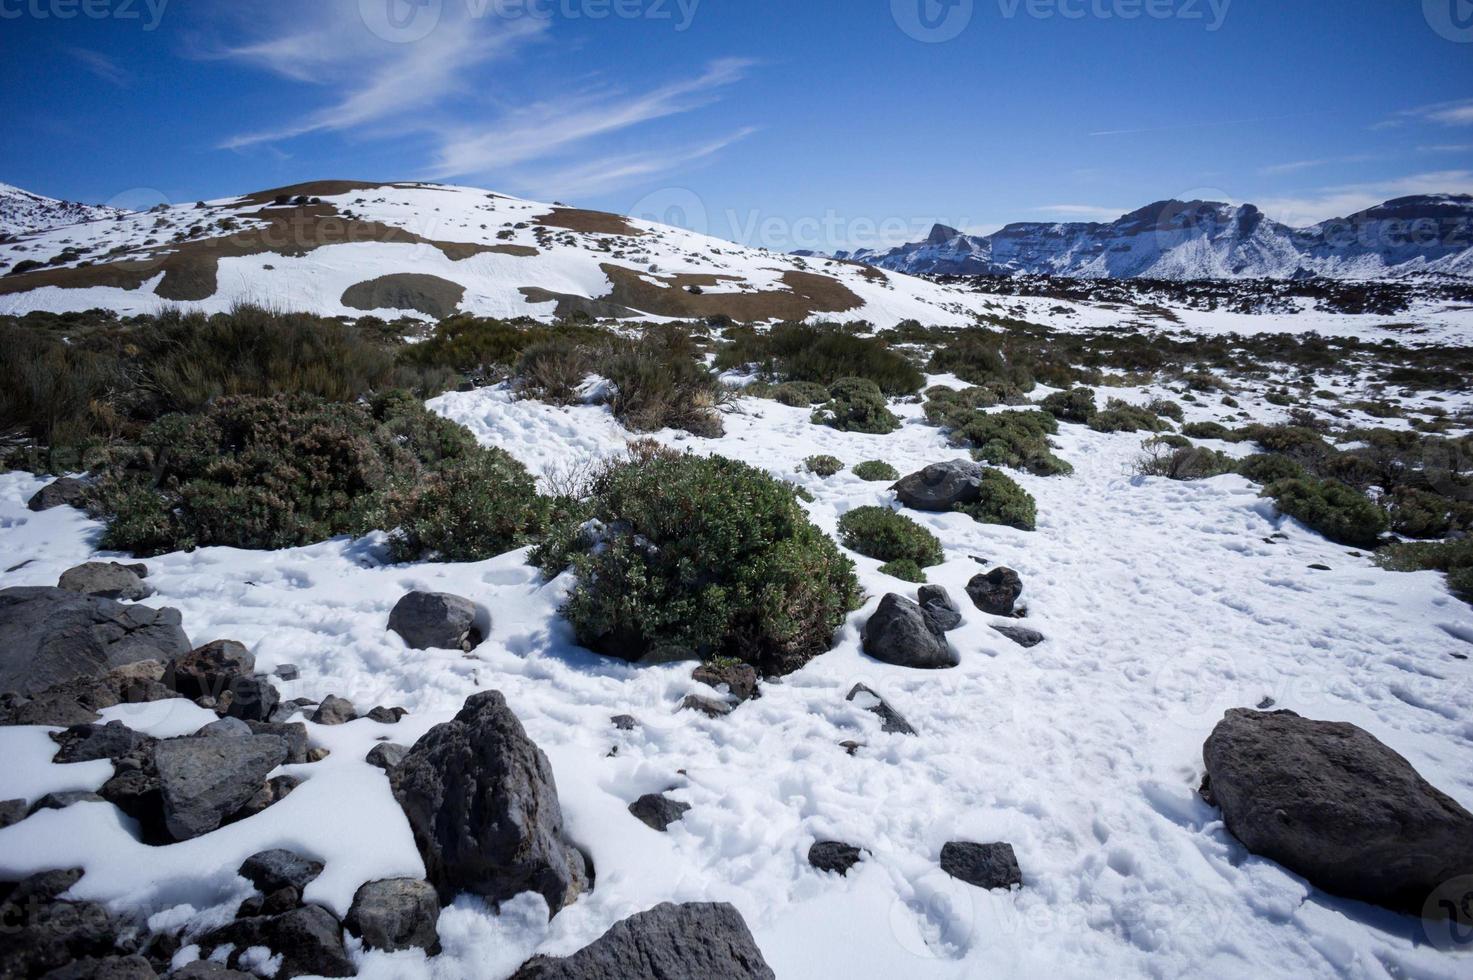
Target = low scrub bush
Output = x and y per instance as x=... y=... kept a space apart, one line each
x=1423 y=514
x=553 y=370
x=876 y=471
x=1341 y=513
x=882 y=534
x=695 y=557
x=656 y=385
x=1076 y=405
x=1003 y=502
x=824 y=466
x=471 y=509
x=1167 y=409
x=800 y=394
x=53 y=399
x=856 y=405
x=1163 y=456
x=1015 y=439
x=821 y=355
x=977 y=357
x=1266 y=468
x=905 y=570
x=950 y=408
x=1120 y=416
x=1207 y=430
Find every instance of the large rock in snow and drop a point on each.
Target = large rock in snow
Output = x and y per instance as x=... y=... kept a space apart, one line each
x=107 y=579
x=50 y=636
x=65 y=492
x=225 y=671
x=694 y=941
x=482 y=803
x=203 y=781
x=996 y=592
x=436 y=621
x=900 y=633
x=1332 y=803
x=400 y=913
x=942 y=486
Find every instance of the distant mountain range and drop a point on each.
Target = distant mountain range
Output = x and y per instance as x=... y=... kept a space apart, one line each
x=1182 y=240
x=22 y=212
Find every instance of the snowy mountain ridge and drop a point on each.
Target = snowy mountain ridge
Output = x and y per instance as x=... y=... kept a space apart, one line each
x=1206 y=240
x=22 y=212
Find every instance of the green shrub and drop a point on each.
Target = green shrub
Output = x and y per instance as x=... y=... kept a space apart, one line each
x=53 y=398
x=1167 y=409
x=700 y=557
x=1303 y=445
x=882 y=534
x=824 y=466
x=1207 y=430
x=1267 y=468
x=905 y=570
x=656 y=385
x=950 y=408
x=1454 y=558
x=1015 y=439
x=820 y=354
x=553 y=370
x=1423 y=514
x=856 y=405
x=471 y=509
x=1161 y=456
x=474 y=345
x=876 y=471
x=977 y=357
x=1003 y=502
x=1120 y=416
x=1076 y=405
x=270 y=473
x=800 y=394
x=1340 y=513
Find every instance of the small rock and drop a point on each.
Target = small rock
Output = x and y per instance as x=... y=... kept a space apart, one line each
x=658 y=812
x=625 y=723
x=739 y=679
x=288 y=672
x=225 y=728
x=334 y=711
x=386 y=716
x=1320 y=568
x=12 y=812
x=1021 y=635
x=386 y=755
x=397 y=914
x=204 y=781
x=899 y=633
x=436 y=621
x=60 y=801
x=318 y=753
x=996 y=593
x=709 y=707
x=890 y=720
x=851 y=747
x=225 y=670
x=109 y=580
x=65 y=492
x=294 y=734
x=941 y=611
x=983 y=865
x=832 y=855
x=271 y=870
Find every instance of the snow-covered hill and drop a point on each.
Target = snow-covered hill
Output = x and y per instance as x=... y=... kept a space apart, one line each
x=22 y=212
x=350 y=248
x=1207 y=240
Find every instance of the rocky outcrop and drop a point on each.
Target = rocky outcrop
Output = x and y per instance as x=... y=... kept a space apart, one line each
x=482 y=803
x=1332 y=803
x=899 y=633
x=436 y=621
x=308 y=939
x=668 y=942
x=224 y=673
x=400 y=913
x=43 y=932
x=77 y=701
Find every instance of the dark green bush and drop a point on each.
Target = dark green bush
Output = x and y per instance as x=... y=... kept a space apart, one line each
x=1423 y=514
x=53 y=398
x=950 y=408
x=905 y=570
x=977 y=357
x=1120 y=416
x=820 y=354
x=553 y=370
x=1015 y=439
x=882 y=534
x=1341 y=513
x=1303 y=445
x=800 y=394
x=1266 y=468
x=657 y=385
x=1161 y=456
x=1167 y=409
x=470 y=509
x=856 y=405
x=1207 y=430
x=474 y=345
x=1003 y=502
x=824 y=466
x=700 y=557
x=876 y=471
x=1076 y=405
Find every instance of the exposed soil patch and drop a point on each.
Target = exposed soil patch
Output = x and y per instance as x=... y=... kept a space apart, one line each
x=810 y=293
x=588 y=222
x=570 y=305
x=429 y=295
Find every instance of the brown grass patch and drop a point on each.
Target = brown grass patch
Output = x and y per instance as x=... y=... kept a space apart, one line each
x=589 y=222
x=810 y=293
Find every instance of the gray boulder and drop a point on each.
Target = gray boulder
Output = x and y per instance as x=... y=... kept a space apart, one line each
x=890 y=720
x=273 y=870
x=65 y=492
x=12 y=812
x=106 y=579
x=740 y=679
x=1332 y=803
x=482 y=803
x=334 y=711
x=982 y=865
x=225 y=671
x=309 y=940
x=225 y=728
x=694 y=941
x=899 y=633
x=50 y=636
x=87 y=743
x=436 y=621
x=941 y=610
x=833 y=855
x=77 y=701
x=996 y=592
x=204 y=781
x=386 y=716
x=386 y=755
x=941 y=486
x=1021 y=635
x=293 y=733
x=397 y=914
x=658 y=812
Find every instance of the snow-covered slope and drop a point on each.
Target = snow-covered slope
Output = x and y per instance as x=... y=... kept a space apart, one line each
x=1206 y=240
x=22 y=212
x=350 y=248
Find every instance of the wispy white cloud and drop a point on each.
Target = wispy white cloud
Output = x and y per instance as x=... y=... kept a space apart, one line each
x=1344 y=200
x=1456 y=113
x=1091 y=212
x=101 y=65
x=620 y=171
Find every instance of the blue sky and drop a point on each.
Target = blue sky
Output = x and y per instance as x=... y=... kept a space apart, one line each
x=802 y=123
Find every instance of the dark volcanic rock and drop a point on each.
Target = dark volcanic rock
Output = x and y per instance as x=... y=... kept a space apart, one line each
x=334 y=711
x=709 y=707
x=899 y=633
x=108 y=580
x=65 y=492
x=1332 y=803
x=1021 y=635
x=482 y=803
x=386 y=755
x=658 y=812
x=696 y=941
x=436 y=621
x=397 y=914
x=204 y=781
x=983 y=865
x=739 y=678
x=86 y=743
x=12 y=812
x=625 y=723
x=890 y=719
x=941 y=486
x=309 y=939
x=77 y=701
x=43 y=933
x=996 y=592
x=60 y=801
x=293 y=733
x=832 y=855
x=50 y=636
x=226 y=671
x=132 y=967
x=941 y=611
x=278 y=868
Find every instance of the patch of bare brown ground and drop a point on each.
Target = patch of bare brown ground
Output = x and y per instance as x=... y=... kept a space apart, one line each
x=427 y=294
x=810 y=293
x=588 y=222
